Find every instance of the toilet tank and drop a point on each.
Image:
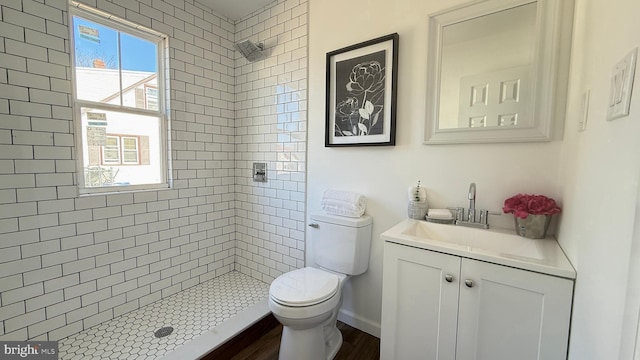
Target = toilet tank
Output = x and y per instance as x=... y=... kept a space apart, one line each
x=341 y=244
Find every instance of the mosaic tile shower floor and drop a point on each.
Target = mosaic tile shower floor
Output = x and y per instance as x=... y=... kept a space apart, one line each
x=191 y=313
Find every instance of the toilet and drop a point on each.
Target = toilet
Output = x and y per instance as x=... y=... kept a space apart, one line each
x=306 y=301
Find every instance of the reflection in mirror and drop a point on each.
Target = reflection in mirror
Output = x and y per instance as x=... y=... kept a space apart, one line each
x=497 y=71
x=486 y=69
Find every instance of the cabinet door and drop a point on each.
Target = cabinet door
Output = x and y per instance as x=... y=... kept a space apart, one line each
x=419 y=306
x=511 y=314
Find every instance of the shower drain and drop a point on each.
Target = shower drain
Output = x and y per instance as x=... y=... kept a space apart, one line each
x=162 y=332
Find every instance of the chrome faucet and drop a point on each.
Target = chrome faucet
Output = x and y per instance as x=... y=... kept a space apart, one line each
x=470 y=219
x=471 y=213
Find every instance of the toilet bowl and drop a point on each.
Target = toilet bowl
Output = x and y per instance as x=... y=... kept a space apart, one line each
x=306 y=303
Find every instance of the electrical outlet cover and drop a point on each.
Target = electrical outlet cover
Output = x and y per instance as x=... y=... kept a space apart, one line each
x=621 y=86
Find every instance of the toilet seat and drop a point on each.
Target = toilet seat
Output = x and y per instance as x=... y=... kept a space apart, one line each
x=304 y=287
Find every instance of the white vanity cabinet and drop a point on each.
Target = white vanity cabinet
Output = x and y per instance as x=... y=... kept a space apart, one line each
x=445 y=307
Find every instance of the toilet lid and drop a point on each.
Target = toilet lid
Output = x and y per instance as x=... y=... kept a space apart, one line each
x=304 y=287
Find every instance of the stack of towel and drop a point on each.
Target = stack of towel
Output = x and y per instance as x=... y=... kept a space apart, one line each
x=343 y=203
x=440 y=214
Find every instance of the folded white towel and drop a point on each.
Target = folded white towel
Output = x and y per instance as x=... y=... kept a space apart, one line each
x=343 y=203
x=440 y=214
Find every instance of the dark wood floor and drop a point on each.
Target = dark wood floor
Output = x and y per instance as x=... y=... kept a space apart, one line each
x=262 y=342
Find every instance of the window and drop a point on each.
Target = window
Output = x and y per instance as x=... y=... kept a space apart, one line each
x=130 y=150
x=111 y=150
x=120 y=150
x=119 y=102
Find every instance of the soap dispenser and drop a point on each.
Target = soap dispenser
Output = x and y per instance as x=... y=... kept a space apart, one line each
x=417 y=207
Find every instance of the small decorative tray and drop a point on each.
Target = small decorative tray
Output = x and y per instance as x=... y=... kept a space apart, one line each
x=440 y=221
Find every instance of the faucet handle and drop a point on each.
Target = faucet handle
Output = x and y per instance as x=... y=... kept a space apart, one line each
x=484 y=216
x=458 y=212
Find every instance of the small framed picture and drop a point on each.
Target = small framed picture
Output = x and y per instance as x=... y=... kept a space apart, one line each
x=361 y=93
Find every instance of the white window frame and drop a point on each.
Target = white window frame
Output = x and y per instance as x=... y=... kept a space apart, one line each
x=100 y=17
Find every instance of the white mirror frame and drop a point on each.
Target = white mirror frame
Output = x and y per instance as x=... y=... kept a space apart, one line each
x=554 y=19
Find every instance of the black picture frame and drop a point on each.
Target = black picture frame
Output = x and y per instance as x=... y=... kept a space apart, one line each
x=361 y=94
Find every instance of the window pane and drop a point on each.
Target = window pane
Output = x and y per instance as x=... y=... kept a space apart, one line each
x=139 y=71
x=130 y=157
x=115 y=76
x=111 y=156
x=129 y=143
x=112 y=141
x=130 y=150
x=97 y=74
x=111 y=151
x=141 y=161
x=138 y=54
x=151 y=97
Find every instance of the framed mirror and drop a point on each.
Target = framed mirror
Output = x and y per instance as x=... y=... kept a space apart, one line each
x=497 y=72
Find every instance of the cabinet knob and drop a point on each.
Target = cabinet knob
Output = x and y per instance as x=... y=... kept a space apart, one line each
x=448 y=278
x=314 y=225
x=468 y=283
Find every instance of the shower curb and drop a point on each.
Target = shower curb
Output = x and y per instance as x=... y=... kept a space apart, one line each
x=216 y=337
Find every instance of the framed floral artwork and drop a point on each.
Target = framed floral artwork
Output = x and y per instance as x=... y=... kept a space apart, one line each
x=361 y=93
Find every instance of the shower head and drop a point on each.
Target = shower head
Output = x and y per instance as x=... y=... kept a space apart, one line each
x=252 y=52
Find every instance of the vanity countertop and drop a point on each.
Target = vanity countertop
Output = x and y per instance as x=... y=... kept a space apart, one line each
x=497 y=246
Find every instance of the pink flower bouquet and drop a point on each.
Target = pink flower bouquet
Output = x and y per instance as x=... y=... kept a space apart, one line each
x=522 y=205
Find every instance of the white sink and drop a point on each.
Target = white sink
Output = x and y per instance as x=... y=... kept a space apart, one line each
x=480 y=239
x=493 y=245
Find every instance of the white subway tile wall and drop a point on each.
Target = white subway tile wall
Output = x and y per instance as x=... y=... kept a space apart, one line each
x=69 y=262
x=271 y=102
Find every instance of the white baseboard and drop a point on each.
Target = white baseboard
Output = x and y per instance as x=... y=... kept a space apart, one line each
x=360 y=323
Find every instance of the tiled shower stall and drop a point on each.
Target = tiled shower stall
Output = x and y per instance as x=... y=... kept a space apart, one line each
x=69 y=262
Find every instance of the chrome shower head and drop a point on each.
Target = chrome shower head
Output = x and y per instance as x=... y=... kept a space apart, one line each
x=252 y=52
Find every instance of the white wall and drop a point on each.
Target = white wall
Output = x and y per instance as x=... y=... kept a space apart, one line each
x=600 y=174
x=384 y=173
x=594 y=174
x=630 y=327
